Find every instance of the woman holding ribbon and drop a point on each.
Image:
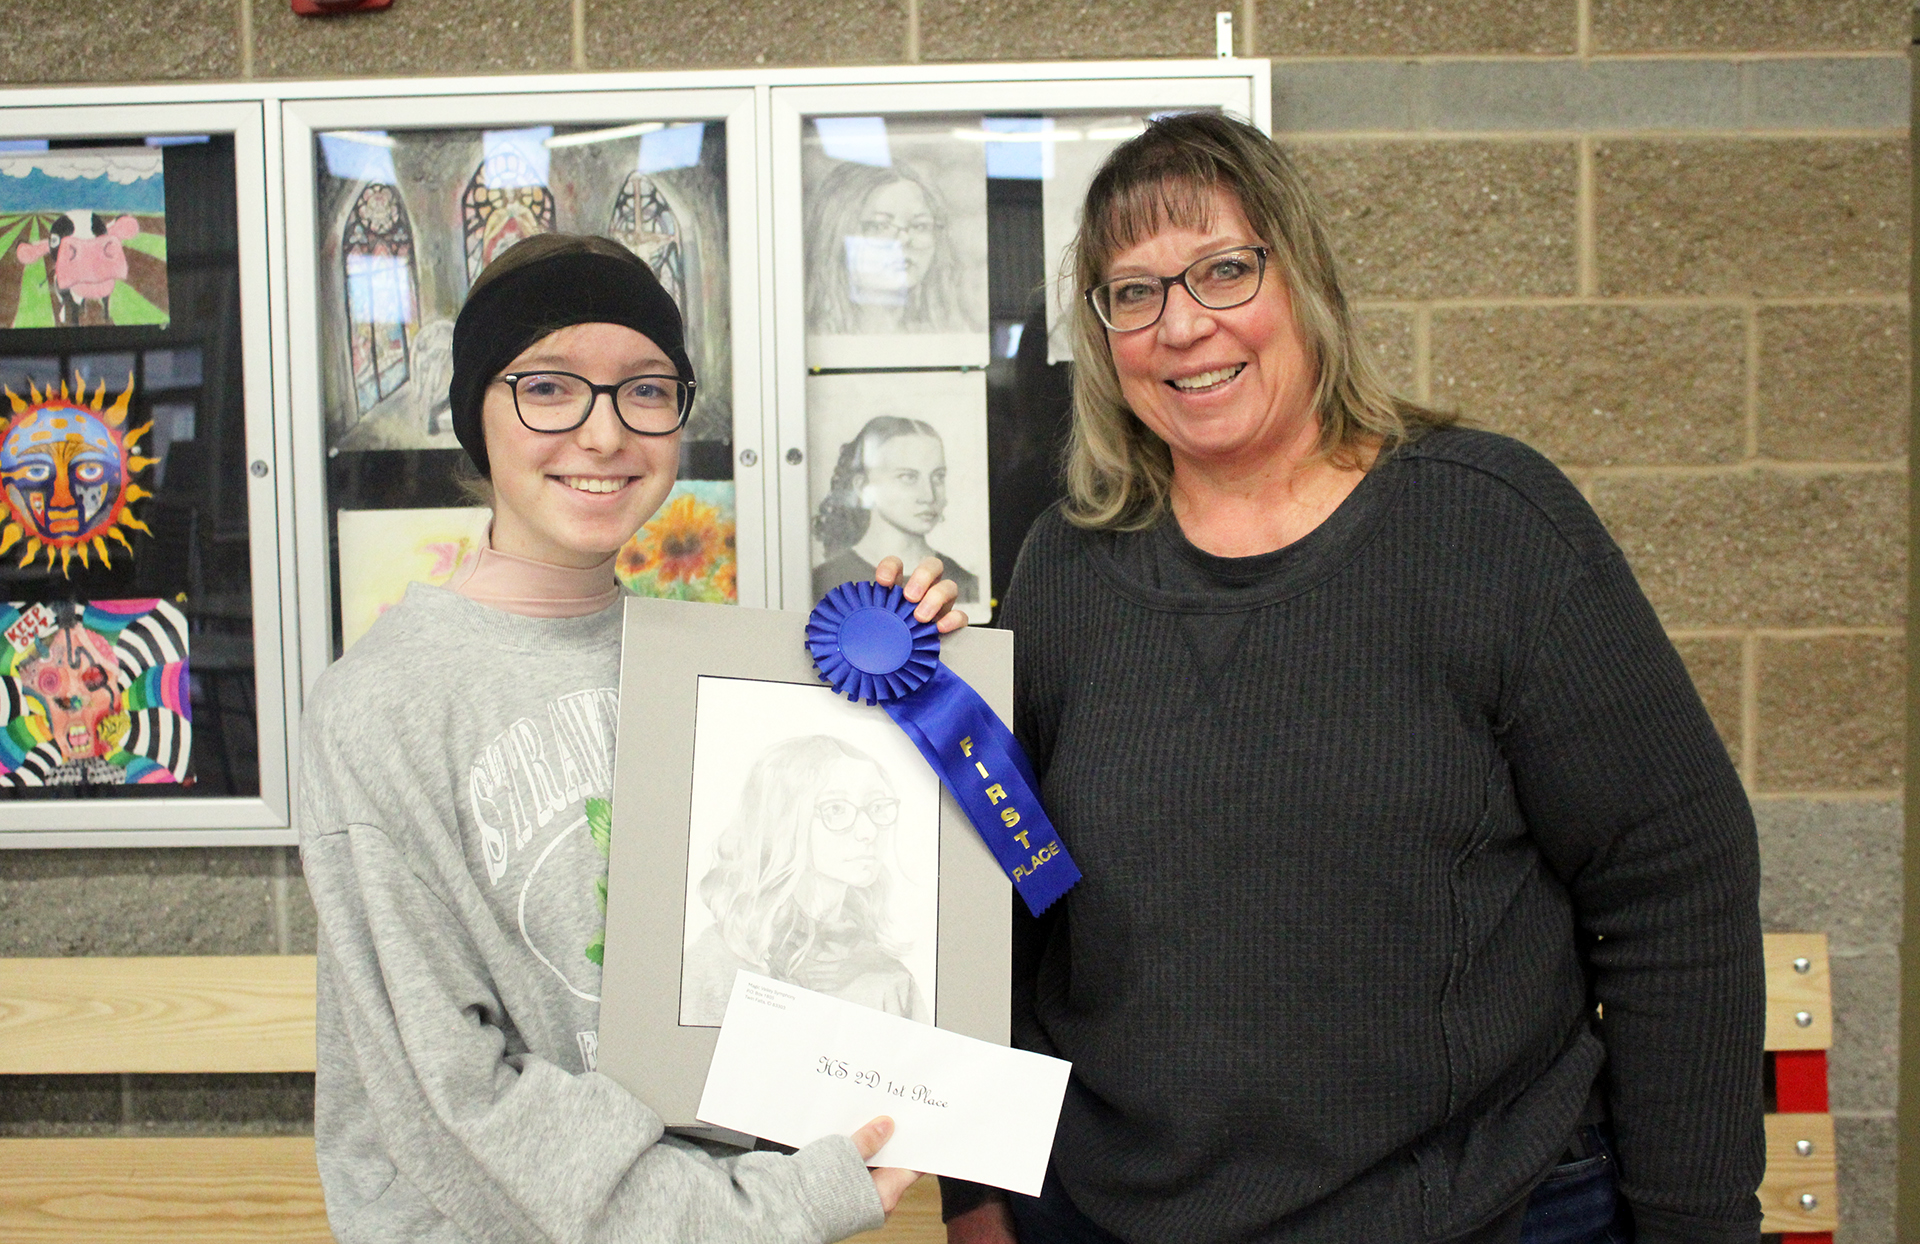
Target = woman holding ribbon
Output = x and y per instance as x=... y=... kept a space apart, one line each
x=1419 y=896
x=455 y=770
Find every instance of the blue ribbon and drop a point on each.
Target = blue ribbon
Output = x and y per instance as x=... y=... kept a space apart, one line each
x=867 y=645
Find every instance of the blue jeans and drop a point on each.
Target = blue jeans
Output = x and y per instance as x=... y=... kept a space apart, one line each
x=1574 y=1204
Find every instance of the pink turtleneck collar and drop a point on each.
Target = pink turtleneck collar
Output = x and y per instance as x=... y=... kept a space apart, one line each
x=534 y=589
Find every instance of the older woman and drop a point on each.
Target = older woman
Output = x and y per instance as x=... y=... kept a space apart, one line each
x=1420 y=895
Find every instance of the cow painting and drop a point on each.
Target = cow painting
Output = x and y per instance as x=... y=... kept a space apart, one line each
x=83 y=238
x=89 y=257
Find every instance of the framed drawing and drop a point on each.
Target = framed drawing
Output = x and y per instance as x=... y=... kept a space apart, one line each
x=896 y=242
x=761 y=821
x=900 y=468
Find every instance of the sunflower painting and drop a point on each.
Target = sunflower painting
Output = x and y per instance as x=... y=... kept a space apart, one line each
x=686 y=551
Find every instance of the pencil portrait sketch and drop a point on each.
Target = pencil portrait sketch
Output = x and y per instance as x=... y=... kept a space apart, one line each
x=812 y=855
x=900 y=468
x=895 y=232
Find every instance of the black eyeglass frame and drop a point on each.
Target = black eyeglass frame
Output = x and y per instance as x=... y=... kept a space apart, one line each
x=512 y=378
x=1180 y=278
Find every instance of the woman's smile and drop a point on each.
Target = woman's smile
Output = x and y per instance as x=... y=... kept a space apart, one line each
x=1208 y=381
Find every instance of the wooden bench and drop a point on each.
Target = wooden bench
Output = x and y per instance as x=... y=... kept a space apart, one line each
x=191 y=1014
x=1799 y=1198
x=255 y=1014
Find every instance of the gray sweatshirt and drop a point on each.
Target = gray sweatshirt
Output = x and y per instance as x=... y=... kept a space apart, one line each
x=454 y=768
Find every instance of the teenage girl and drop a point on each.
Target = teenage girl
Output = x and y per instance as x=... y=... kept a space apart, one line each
x=456 y=766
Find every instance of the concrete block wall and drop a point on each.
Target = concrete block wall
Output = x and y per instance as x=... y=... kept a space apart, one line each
x=1666 y=241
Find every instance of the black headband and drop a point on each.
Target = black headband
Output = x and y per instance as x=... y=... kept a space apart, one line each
x=508 y=314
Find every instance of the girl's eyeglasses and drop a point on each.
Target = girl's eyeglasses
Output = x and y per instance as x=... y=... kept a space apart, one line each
x=559 y=401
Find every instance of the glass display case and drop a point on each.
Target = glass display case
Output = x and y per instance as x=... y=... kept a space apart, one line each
x=141 y=602
x=225 y=345
x=920 y=282
x=401 y=219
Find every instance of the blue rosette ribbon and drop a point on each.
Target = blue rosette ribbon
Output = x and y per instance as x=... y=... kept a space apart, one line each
x=868 y=646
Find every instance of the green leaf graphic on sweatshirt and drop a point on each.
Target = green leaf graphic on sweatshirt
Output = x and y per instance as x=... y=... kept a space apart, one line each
x=600 y=827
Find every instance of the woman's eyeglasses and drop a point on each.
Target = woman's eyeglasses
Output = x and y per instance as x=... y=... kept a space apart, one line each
x=1217 y=281
x=559 y=401
x=838 y=814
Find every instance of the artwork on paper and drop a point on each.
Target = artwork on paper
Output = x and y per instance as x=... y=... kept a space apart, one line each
x=83 y=237
x=896 y=242
x=686 y=550
x=96 y=694
x=68 y=465
x=899 y=466
x=1062 y=191
x=408 y=219
x=812 y=851
x=381 y=551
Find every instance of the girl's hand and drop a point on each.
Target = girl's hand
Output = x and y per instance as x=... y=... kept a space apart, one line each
x=889 y=1181
x=934 y=594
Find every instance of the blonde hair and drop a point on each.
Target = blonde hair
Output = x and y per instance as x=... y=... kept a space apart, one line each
x=1118 y=472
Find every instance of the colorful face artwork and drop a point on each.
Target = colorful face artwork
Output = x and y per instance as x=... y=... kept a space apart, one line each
x=95 y=693
x=67 y=466
x=83 y=237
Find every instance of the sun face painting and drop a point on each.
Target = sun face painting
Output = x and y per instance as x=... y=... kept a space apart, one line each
x=67 y=466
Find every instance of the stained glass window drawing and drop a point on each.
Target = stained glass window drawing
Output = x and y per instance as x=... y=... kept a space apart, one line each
x=644 y=222
x=506 y=200
x=382 y=289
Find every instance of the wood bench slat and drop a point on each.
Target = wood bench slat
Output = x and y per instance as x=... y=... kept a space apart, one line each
x=213 y=1013
x=1789 y=1175
x=1791 y=993
x=916 y=1220
x=179 y=1189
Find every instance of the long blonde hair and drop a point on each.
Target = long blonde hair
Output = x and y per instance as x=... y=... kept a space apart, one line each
x=1118 y=472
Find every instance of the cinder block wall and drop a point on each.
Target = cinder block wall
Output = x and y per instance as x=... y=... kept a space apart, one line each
x=1665 y=241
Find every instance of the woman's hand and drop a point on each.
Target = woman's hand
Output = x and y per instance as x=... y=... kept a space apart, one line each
x=934 y=594
x=889 y=1181
x=986 y=1223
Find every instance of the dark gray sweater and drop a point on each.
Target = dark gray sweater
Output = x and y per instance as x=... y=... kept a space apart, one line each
x=1369 y=826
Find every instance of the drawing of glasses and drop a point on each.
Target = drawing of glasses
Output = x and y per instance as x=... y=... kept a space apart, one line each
x=838 y=814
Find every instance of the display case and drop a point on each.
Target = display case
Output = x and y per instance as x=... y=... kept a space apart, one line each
x=226 y=315
x=143 y=610
x=395 y=221
x=921 y=306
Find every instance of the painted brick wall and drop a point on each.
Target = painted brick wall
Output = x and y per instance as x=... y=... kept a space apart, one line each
x=1665 y=241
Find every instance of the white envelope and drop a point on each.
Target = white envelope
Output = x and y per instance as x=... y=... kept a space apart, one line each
x=792 y=1065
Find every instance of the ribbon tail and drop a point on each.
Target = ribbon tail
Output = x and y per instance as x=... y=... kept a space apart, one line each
x=981 y=762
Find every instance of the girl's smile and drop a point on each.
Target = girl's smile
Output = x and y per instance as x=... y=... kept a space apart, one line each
x=573 y=498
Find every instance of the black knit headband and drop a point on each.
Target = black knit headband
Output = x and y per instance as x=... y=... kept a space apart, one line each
x=508 y=314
